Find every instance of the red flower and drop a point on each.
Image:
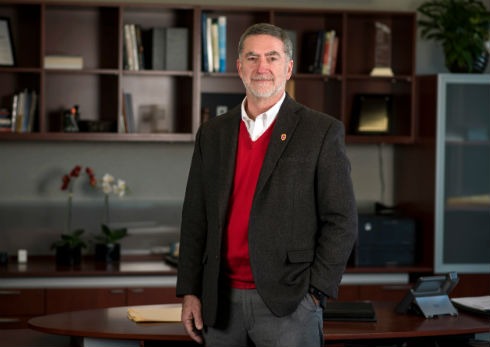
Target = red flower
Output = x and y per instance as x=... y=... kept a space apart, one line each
x=65 y=182
x=75 y=172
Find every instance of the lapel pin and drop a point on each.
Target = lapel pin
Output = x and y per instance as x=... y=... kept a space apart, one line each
x=283 y=137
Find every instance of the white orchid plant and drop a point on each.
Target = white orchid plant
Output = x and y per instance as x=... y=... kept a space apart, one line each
x=110 y=185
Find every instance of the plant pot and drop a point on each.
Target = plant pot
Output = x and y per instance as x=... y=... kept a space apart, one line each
x=479 y=65
x=68 y=256
x=107 y=253
x=480 y=62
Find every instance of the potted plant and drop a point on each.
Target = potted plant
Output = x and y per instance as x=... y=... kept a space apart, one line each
x=462 y=26
x=69 y=248
x=107 y=246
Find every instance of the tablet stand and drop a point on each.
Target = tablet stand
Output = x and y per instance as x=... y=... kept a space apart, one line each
x=437 y=305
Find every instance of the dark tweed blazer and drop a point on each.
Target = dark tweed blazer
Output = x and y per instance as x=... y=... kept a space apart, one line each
x=303 y=221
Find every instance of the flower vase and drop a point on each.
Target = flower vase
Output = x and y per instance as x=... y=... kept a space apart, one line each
x=107 y=253
x=68 y=256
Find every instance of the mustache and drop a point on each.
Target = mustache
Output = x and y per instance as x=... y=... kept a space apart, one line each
x=262 y=78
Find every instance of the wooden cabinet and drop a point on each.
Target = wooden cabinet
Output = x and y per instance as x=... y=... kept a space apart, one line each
x=96 y=33
x=149 y=296
x=18 y=305
x=74 y=299
x=442 y=179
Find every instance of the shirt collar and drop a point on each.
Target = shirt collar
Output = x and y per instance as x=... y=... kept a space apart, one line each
x=262 y=122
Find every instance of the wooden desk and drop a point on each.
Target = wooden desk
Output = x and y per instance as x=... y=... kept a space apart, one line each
x=112 y=323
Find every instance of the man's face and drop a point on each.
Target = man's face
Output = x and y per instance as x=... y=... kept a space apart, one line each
x=263 y=66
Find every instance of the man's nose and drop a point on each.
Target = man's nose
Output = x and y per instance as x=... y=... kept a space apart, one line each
x=262 y=64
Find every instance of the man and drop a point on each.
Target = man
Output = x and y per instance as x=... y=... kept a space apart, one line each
x=269 y=216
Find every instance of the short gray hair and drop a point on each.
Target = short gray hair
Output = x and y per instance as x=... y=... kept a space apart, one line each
x=271 y=30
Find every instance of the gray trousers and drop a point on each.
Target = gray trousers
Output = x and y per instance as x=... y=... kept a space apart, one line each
x=249 y=323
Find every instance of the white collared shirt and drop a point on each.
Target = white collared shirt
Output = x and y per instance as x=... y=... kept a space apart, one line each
x=262 y=122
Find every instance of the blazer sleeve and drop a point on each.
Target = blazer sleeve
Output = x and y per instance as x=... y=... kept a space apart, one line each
x=193 y=228
x=337 y=213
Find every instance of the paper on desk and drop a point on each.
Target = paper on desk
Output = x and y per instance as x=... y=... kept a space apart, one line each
x=155 y=313
x=480 y=303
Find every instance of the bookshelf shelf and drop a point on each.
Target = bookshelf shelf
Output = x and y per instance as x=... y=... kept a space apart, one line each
x=95 y=33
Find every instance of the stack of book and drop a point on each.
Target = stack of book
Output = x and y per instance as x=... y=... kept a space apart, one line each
x=71 y=62
x=23 y=111
x=213 y=43
x=156 y=48
x=319 y=53
x=5 y=121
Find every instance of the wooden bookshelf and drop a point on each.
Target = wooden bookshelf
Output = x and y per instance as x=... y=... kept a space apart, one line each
x=95 y=31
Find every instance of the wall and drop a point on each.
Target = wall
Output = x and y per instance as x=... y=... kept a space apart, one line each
x=32 y=206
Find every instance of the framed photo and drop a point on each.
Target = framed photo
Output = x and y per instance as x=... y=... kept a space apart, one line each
x=372 y=114
x=7 y=57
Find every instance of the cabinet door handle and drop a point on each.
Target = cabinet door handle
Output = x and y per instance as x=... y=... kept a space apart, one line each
x=137 y=290
x=9 y=320
x=117 y=291
x=9 y=292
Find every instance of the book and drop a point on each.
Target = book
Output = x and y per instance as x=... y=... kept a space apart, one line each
x=15 y=101
x=328 y=52
x=176 y=45
x=19 y=121
x=154 y=42
x=215 y=44
x=204 y=38
x=334 y=56
x=30 y=110
x=209 y=44
x=73 y=62
x=128 y=115
x=222 y=43
x=166 y=48
x=134 y=46
x=312 y=51
x=139 y=47
x=128 y=49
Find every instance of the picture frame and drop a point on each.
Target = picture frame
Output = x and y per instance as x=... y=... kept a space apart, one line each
x=372 y=114
x=7 y=56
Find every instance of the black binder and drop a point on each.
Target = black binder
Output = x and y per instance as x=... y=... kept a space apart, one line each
x=354 y=311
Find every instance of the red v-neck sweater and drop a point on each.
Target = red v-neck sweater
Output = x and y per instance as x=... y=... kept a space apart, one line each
x=249 y=159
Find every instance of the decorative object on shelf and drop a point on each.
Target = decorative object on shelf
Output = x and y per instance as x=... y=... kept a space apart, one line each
x=382 y=50
x=372 y=114
x=7 y=57
x=71 y=118
x=107 y=247
x=69 y=247
x=463 y=28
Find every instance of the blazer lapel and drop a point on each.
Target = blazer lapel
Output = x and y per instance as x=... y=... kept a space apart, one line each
x=228 y=146
x=286 y=122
